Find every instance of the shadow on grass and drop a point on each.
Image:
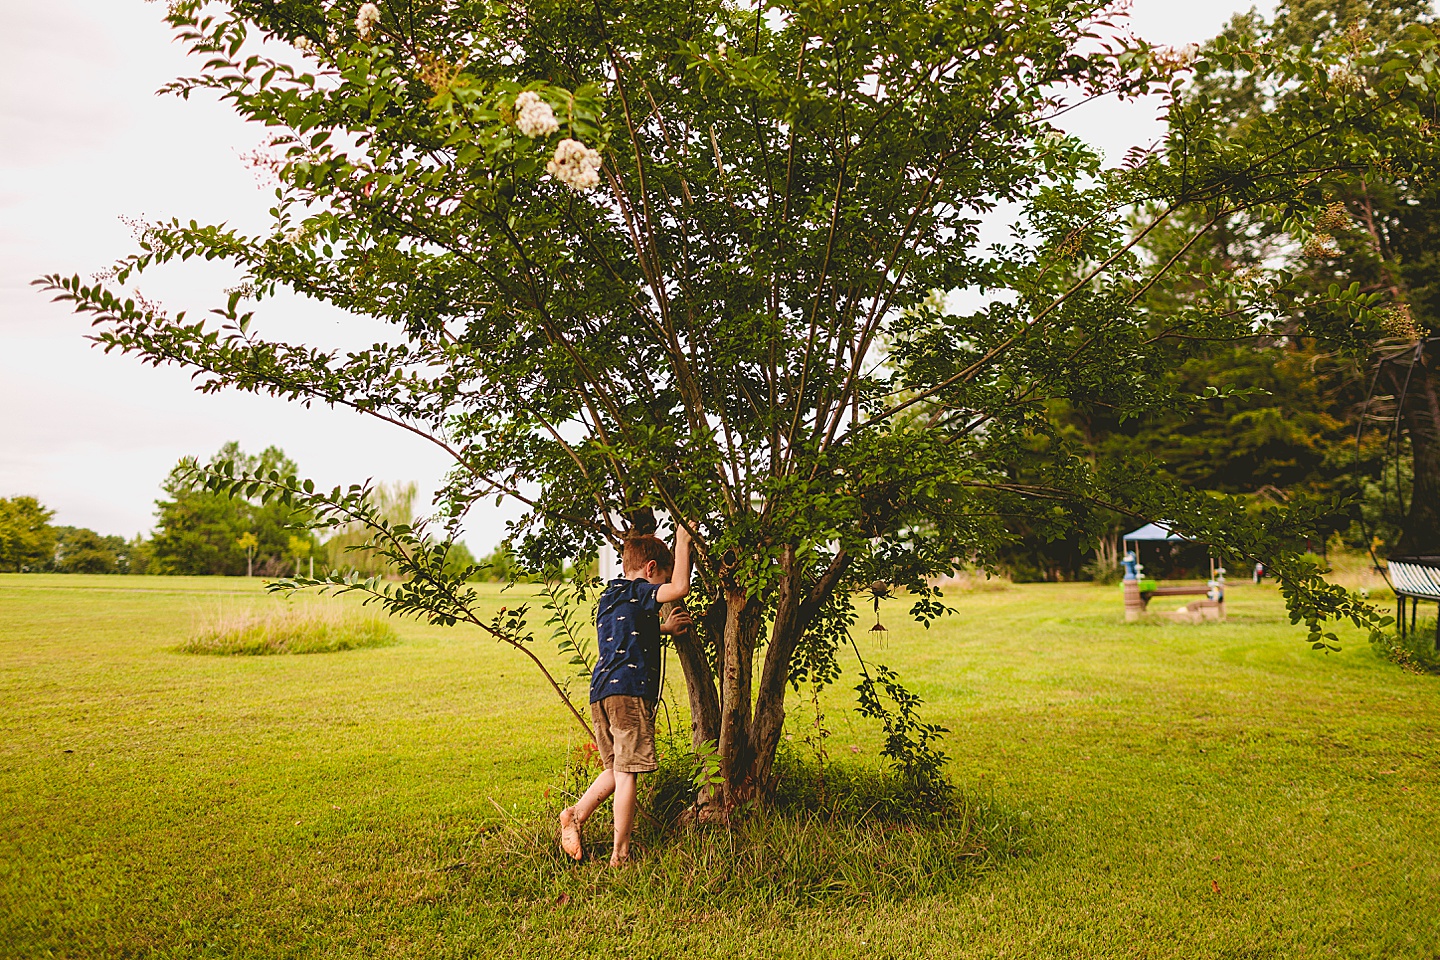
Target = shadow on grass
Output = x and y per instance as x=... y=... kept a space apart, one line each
x=851 y=834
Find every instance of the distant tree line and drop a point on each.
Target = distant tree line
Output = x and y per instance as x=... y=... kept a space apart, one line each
x=29 y=543
x=1284 y=424
x=1287 y=429
x=201 y=533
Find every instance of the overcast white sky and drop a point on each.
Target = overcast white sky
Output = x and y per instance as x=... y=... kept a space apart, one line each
x=83 y=142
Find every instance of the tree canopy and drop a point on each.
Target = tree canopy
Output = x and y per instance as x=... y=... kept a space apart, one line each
x=703 y=257
x=199 y=532
x=1370 y=239
x=81 y=550
x=27 y=541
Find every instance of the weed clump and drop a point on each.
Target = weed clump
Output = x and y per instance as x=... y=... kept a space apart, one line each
x=313 y=629
x=1415 y=651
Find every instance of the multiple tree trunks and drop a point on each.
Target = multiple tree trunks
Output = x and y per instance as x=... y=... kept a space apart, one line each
x=744 y=720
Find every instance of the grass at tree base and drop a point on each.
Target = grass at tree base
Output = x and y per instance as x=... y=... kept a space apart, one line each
x=833 y=833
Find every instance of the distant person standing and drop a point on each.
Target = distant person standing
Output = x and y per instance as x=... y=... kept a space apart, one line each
x=1259 y=572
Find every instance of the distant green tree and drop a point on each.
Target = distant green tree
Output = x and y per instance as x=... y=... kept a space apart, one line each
x=1371 y=241
x=458 y=559
x=199 y=533
x=27 y=541
x=196 y=532
x=248 y=542
x=139 y=556
x=1287 y=414
x=350 y=547
x=501 y=565
x=1281 y=423
x=81 y=550
x=301 y=549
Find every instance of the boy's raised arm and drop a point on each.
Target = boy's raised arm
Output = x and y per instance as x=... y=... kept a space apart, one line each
x=679 y=585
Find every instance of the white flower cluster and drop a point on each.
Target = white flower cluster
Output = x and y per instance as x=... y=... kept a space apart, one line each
x=533 y=115
x=1333 y=219
x=1320 y=246
x=365 y=20
x=1172 y=59
x=1344 y=78
x=307 y=46
x=575 y=165
x=1399 y=323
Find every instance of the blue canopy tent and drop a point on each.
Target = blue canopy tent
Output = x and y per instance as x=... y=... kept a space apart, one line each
x=1154 y=531
x=1159 y=533
x=1151 y=532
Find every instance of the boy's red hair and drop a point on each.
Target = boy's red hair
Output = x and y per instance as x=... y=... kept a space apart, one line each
x=639 y=551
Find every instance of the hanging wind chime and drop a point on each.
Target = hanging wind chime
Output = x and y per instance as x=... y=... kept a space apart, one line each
x=879 y=590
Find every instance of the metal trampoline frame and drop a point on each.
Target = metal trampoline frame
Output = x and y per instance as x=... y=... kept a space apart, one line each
x=1415 y=579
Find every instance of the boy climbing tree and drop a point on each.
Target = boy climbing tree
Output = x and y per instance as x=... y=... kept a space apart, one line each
x=625 y=684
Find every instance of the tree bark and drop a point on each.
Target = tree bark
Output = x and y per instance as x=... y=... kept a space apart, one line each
x=699 y=686
x=770 y=701
x=1420 y=415
x=793 y=616
x=742 y=628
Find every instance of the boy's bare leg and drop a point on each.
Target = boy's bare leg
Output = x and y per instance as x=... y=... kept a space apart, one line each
x=573 y=818
x=624 y=816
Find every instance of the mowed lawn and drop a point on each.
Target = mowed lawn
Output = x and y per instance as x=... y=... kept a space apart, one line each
x=1188 y=791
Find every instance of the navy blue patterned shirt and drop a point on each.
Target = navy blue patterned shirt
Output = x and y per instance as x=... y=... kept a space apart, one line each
x=627 y=619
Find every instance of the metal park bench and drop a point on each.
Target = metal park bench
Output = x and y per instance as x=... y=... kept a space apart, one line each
x=1415 y=579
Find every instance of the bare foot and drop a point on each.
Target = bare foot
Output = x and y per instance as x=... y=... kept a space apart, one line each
x=620 y=861
x=570 y=834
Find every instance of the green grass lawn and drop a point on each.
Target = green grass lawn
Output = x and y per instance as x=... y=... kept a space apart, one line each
x=1187 y=791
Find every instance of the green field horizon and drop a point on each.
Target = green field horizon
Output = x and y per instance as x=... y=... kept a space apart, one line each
x=1213 y=790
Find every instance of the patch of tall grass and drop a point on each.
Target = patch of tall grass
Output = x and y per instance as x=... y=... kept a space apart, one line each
x=1354 y=570
x=294 y=628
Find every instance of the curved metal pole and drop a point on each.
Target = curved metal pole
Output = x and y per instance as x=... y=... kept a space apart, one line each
x=1395 y=429
x=1365 y=527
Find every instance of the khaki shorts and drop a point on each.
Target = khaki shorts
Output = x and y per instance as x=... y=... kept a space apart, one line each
x=625 y=734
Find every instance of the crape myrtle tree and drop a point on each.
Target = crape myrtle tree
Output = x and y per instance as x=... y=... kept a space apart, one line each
x=695 y=257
